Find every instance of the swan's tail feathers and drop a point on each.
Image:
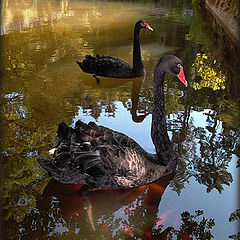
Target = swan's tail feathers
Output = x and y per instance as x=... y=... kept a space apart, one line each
x=87 y=128
x=80 y=124
x=82 y=127
x=47 y=164
x=79 y=64
x=89 y=57
x=64 y=131
x=86 y=64
x=95 y=65
x=64 y=134
x=90 y=131
x=63 y=174
x=62 y=128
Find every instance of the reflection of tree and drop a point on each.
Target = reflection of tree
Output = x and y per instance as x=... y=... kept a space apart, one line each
x=221 y=48
x=131 y=214
x=21 y=123
x=191 y=228
x=61 y=211
x=208 y=154
x=32 y=105
x=22 y=180
x=235 y=216
x=214 y=158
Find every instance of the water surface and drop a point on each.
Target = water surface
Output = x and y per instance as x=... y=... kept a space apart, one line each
x=43 y=86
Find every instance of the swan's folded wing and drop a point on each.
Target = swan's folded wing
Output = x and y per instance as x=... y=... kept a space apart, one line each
x=97 y=156
x=101 y=168
x=107 y=66
x=66 y=174
x=101 y=135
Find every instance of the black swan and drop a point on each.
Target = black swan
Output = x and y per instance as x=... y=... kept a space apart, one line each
x=105 y=159
x=108 y=66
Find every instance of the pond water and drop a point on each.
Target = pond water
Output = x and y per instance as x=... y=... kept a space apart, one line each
x=43 y=86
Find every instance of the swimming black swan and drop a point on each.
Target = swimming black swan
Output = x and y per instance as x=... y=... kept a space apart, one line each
x=105 y=159
x=108 y=66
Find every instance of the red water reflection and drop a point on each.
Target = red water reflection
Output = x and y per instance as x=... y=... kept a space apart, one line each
x=141 y=206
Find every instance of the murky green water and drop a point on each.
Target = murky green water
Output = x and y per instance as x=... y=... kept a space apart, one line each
x=43 y=86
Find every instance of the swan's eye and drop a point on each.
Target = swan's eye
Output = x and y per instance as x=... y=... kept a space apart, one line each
x=176 y=68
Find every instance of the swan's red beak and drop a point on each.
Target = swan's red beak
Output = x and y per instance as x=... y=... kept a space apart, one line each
x=181 y=77
x=148 y=26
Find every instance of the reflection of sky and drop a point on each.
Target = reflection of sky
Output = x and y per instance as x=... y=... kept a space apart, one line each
x=194 y=196
x=214 y=205
x=123 y=123
x=200 y=119
x=140 y=132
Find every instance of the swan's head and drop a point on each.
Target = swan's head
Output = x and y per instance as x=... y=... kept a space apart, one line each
x=173 y=65
x=143 y=24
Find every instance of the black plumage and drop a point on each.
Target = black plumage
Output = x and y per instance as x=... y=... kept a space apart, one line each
x=110 y=66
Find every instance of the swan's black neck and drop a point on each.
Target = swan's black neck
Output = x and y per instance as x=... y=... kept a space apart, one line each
x=164 y=150
x=137 y=61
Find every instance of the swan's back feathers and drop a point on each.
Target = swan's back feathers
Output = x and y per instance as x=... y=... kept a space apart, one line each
x=107 y=66
x=101 y=158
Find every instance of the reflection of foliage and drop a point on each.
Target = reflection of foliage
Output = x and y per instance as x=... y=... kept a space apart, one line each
x=210 y=75
x=191 y=228
x=213 y=176
x=235 y=236
x=135 y=219
x=208 y=153
x=22 y=179
x=235 y=216
x=212 y=156
x=229 y=113
x=199 y=29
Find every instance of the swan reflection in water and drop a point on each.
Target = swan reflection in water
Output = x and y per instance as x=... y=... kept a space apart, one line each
x=113 y=214
x=107 y=83
x=109 y=214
